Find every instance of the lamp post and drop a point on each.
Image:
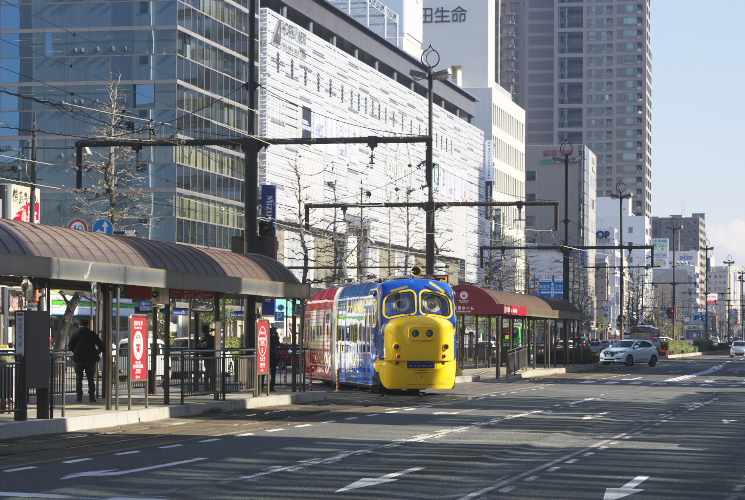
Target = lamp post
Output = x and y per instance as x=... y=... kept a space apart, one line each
x=675 y=227
x=741 y=279
x=707 y=248
x=566 y=150
x=729 y=263
x=622 y=195
x=430 y=58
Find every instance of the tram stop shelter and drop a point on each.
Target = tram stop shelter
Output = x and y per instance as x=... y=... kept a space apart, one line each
x=498 y=327
x=42 y=258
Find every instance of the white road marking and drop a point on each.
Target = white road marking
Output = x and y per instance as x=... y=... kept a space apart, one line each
x=394 y=411
x=372 y=415
x=531 y=478
x=209 y=440
x=728 y=421
x=329 y=422
x=237 y=435
x=351 y=418
x=304 y=425
x=507 y=489
x=597 y=415
x=171 y=446
x=76 y=460
x=625 y=490
x=553 y=469
x=127 y=453
x=19 y=469
x=635 y=378
x=372 y=481
x=571 y=461
x=114 y=472
x=274 y=430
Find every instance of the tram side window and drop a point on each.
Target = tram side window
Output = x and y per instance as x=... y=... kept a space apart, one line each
x=435 y=303
x=397 y=304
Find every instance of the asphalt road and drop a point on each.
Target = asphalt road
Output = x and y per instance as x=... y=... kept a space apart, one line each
x=674 y=431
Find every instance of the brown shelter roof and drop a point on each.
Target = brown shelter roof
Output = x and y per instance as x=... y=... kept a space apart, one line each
x=68 y=257
x=484 y=301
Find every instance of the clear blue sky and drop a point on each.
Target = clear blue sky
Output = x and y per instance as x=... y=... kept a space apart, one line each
x=698 y=117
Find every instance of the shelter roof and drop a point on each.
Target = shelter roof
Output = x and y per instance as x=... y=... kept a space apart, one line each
x=472 y=300
x=69 y=258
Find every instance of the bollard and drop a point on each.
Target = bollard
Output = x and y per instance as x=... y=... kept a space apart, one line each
x=284 y=386
x=337 y=381
x=310 y=384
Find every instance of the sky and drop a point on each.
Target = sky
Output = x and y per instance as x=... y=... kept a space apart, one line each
x=698 y=110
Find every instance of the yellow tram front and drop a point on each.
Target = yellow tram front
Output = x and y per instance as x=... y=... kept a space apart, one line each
x=417 y=326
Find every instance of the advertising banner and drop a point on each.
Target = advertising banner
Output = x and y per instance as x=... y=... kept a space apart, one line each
x=138 y=347
x=262 y=347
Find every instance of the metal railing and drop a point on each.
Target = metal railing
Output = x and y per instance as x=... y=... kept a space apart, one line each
x=517 y=359
x=9 y=378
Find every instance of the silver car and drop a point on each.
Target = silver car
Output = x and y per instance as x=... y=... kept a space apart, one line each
x=629 y=352
x=737 y=349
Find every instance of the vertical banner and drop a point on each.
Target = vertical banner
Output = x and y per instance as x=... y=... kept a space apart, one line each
x=262 y=347
x=138 y=346
x=269 y=204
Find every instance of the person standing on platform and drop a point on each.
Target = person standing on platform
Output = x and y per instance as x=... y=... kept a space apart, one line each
x=274 y=346
x=207 y=343
x=86 y=349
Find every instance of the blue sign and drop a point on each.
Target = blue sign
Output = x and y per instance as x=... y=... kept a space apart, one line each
x=145 y=305
x=269 y=203
x=103 y=226
x=267 y=307
x=279 y=316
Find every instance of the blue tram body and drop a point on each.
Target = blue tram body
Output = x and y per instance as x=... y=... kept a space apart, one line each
x=398 y=334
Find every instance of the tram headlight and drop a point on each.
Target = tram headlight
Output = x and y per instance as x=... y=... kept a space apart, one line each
x=429 y=333
x=414 y=333
x=445 y=347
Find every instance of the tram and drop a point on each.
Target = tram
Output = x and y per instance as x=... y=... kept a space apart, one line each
x=399 y=334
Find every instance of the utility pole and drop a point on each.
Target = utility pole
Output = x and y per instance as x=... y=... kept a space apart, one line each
x=566 y=150
x=729 y=263
x=707 y=248
x=675 y=227
x=32 y=174
x=622 y=195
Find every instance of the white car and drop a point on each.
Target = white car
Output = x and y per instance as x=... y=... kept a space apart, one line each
x=737 y=349
x=630 y=352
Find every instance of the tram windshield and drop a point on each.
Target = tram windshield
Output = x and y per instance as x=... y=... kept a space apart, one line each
x=435 y=303
x=397 y=304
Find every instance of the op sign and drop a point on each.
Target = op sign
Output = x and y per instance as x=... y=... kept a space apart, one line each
x=138 y=347
x=262 y=329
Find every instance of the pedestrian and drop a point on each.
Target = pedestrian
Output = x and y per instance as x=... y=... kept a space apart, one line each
x=207 y=344
x=274 y=346
x=86 y=349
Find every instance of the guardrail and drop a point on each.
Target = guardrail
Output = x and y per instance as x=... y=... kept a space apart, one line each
x=8 y=386
x=517 y=359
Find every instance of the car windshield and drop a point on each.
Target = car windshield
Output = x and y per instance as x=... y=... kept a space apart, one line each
x=740 y=343
x=625 y=343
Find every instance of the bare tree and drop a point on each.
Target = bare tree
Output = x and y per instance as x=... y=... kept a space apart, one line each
x=116 y=192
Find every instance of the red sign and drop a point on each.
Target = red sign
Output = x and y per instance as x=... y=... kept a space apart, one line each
x=177 y=293
x=262 y=347
x=79 y=224
x=138 y=347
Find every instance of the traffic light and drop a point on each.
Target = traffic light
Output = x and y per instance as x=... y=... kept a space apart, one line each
x=266 y=228
x=670 y=311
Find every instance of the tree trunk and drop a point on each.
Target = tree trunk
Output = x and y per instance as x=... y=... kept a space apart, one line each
x=60 y=342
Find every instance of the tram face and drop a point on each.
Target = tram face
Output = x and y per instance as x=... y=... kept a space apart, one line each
x=419 y=341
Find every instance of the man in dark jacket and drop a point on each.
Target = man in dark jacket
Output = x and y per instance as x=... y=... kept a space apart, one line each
x=274 y=346
x=207 y=343
x=86 y=349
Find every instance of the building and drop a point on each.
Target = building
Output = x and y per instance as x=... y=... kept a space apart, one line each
x=464 y=33
x=583 y=73
x=547 y=176
x=183 y=71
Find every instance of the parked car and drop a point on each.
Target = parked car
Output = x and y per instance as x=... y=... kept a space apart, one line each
x=596 y=346
x=737 y=349
x=714 y=339
x=630 y=352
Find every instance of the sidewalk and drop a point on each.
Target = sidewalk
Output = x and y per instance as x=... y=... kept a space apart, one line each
x=89 y=416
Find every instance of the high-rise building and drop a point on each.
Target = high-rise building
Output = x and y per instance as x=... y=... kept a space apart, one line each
x=582 y=70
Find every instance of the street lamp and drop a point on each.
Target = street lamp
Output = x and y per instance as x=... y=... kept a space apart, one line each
x=566 y=150
x=729 y=263
x=622 y=195
x=707 y=248
x=675 y=227
x=430 y=58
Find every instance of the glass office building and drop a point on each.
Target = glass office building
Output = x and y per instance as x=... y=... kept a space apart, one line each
x=183 y=68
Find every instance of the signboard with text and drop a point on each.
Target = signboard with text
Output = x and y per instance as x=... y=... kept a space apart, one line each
x=262 y=347
x=178 y=293
x=138 y=347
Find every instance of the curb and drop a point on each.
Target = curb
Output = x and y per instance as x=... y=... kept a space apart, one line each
x=113 y=418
